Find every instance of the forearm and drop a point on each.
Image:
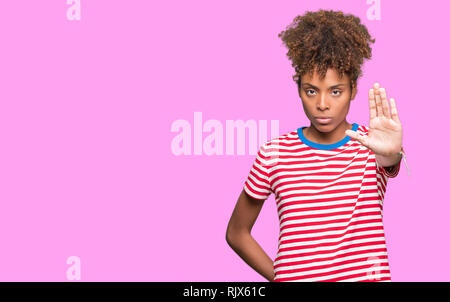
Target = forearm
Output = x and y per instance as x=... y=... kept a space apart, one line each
x=251 y=252
x=388 y=161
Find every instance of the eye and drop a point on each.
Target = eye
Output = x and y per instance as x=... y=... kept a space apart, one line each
x=308 y=90
x=339 y=92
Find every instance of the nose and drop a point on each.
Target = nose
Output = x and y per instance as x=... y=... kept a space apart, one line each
x=323 y=103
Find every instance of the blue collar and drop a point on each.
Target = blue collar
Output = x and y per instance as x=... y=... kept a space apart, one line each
x=324 y=146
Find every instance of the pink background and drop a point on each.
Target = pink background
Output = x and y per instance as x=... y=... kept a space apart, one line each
x=86 y=108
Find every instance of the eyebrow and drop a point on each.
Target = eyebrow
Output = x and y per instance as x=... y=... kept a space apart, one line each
x=308 y=84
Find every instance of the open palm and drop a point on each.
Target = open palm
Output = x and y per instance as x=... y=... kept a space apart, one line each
x=385 y=130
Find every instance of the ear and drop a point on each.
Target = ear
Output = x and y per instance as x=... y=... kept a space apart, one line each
x=354 y=92
x=299 y=89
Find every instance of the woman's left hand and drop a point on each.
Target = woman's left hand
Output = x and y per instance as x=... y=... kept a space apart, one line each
x=385 y=130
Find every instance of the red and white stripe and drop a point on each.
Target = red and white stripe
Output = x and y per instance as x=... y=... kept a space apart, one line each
x=329 y=206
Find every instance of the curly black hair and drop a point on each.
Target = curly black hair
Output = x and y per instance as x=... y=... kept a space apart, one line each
x=327 y=39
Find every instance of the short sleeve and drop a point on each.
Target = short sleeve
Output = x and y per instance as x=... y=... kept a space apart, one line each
x=390 y=172
x=257 y=184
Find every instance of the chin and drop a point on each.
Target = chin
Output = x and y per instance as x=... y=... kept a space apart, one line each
x=324 y=127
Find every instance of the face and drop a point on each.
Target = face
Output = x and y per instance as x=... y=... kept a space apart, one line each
x=328 y=98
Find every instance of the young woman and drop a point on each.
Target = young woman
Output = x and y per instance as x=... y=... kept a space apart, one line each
x=329 y=179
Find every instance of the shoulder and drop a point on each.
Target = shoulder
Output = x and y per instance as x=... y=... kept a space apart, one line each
x=363 y=130
x=286 y=139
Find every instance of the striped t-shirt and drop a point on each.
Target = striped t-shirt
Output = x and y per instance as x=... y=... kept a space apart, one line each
x=329 y=200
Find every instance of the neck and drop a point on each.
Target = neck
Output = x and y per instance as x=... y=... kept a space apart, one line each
x=334 y=136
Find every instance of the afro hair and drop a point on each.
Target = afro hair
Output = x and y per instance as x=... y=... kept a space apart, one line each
x=327 y=39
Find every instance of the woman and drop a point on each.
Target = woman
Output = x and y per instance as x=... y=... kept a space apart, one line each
x=329 y=179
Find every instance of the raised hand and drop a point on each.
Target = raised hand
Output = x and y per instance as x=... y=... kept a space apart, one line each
x=385 y=130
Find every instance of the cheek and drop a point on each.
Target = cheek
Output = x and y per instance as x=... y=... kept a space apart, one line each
x=307 y=108
x=306 y=105
x=344 y=107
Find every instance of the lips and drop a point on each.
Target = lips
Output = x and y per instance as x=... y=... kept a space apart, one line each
x=323 y=120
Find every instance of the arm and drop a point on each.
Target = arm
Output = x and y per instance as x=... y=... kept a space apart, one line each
x=388 y=161
x=241 y=241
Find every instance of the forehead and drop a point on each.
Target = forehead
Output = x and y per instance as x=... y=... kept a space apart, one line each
x=331 y=77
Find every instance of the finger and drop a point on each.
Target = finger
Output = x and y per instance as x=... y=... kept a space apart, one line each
x=378 y=100
x=357 y=137
x=394 y=112
x=384 y=103
x=372 y=104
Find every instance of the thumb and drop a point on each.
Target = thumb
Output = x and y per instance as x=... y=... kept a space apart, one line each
x=357 y=137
